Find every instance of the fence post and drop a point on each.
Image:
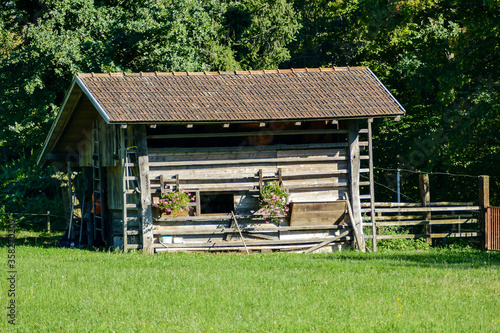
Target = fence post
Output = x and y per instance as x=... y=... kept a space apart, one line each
x=484 y=203
x=425 y=196
x=48 y=221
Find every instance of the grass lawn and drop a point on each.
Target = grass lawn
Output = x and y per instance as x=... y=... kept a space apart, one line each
x=71 y=290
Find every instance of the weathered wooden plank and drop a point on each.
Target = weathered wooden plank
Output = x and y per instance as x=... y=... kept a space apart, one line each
x=318 y=196
x=247 y=155
x=418 y=217
x=406 y=204
x=280 y=248
x=230 y=244
x=204 y=150
x=356 y=226
x=145 y=192
x=426 y=209
x=260 y=236
x=229 y=171
x=251 y=133
x=355 y=169
x=327 y=241
x=435 y=235
x=213 y=156
x=217 y=229
x=424 y=222
x=247 y=161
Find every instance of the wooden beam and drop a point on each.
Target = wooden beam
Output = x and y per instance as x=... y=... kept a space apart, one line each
x=70 y=193
x=250 y=161
x=249 y=243
x=355 y=228
x=424 y=209
x=239 y=231
x=436 y=235
x=144 y=185
x=425 y=222
x=355 y=166
x=204 y=150
x=252 y=133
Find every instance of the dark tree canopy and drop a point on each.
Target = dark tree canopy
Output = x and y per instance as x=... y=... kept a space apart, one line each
x=440 y=58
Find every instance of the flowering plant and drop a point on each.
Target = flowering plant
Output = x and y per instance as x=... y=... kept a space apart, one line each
x=273 y=202
x=175 y=202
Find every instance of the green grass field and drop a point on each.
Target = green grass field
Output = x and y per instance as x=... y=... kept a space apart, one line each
x=71 y=290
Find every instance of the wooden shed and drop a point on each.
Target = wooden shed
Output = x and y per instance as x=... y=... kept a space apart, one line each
x=220 y=136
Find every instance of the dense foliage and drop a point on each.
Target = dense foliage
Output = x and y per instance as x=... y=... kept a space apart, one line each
x=440 y=58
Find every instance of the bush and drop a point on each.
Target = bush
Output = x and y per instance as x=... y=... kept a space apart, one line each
x=26 y=190
x=399 y=244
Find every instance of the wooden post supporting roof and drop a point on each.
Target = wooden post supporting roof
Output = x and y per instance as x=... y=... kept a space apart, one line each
x=145 y=188
x=354 y=168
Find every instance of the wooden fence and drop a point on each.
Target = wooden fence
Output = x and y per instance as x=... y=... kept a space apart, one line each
x=437 y=220
x=50 y=217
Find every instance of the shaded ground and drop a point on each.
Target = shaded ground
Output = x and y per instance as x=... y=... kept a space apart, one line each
x=31 y=238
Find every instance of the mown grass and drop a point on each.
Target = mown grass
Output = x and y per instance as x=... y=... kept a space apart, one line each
x=71 y=290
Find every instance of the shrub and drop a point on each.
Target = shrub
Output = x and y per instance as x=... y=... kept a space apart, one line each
x=399 y=243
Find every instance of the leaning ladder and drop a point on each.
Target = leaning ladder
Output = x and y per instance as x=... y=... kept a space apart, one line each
x=97 y=187
x=130 y=189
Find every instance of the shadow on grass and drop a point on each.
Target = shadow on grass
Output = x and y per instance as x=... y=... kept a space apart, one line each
x=434 y=257
x=29 y=238
x=41 y=239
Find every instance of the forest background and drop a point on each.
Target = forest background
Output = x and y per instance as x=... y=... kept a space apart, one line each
x=439 y=58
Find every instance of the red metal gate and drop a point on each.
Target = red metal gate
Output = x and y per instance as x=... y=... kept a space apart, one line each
x=493 y=229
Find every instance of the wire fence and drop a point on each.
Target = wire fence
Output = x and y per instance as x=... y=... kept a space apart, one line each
x=42 y=221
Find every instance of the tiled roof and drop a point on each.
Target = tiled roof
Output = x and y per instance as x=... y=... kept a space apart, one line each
x=320 y=93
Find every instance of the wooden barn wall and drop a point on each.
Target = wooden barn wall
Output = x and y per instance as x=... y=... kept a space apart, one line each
x=310 y=174
x=108 y=145
x=114 y=190
x=86 y=148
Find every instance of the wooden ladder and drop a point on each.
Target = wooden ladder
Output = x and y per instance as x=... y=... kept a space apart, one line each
x=370 y=197
x=99 y=229
x=130 y=188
